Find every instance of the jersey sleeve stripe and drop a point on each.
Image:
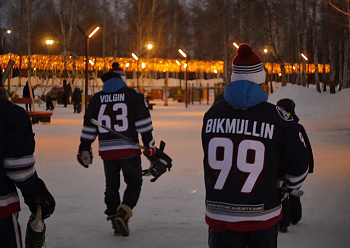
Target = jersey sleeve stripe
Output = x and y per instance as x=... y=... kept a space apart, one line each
x=143 y=122
x=89 y=129
x=19 y=162
x=20 y=176
x=296 y=179
x=88 y=136
x=8 y=199
x=145 y=129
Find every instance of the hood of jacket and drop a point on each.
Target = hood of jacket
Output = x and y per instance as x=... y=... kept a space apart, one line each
x=113 y=85
x=244 y=94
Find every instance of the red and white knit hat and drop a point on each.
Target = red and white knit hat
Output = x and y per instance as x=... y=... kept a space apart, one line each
x=246 y=65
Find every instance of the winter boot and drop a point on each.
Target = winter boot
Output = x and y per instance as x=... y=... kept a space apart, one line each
x=114 y=224
x=123 y=215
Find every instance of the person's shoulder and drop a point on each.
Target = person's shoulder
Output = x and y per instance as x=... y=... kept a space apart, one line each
x=12 y=110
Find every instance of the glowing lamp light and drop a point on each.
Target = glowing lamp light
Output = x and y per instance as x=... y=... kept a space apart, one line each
x=91 y=62
x=185 y=66
x=235 y=44
x=127 y=65
x=182 y=53
x=49 y=42
x=143 y=65
x=304 y=57
x=265 y=50
x=8 y=31
x=134 y=56
x=177 y=62
x=215 y=71
x=280 y=74
x=93 y=32
x=149 y=46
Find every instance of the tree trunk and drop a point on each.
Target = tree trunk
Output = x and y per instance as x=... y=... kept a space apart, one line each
x=315 y=50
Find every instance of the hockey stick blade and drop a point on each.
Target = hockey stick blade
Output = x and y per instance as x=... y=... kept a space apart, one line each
x=297 y=192
x=35 y=235
x=95 y=122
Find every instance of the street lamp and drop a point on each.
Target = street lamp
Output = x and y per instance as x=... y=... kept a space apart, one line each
x=177 y=62
x=49 y=44
x=150 y=45
x=137 y=70
x=235 y=44
x=2 y=30
x=185 y=56
x=87 y=37
x=306 y=59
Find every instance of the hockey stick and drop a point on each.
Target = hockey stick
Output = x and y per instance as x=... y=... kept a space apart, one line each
x=297 y=192
x=99 y=124
x=36 y=228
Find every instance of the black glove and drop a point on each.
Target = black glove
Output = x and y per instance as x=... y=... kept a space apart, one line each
x=84 y=156
x=44 y=198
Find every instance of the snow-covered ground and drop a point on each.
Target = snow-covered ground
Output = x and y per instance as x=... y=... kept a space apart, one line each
x=170 y=212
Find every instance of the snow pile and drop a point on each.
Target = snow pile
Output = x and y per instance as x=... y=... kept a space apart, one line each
x=310 y=103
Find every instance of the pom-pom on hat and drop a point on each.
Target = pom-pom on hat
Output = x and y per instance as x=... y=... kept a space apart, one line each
x=246 y=65
x=116 y=69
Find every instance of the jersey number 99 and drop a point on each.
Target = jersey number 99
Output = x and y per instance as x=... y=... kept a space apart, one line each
x=254 y=168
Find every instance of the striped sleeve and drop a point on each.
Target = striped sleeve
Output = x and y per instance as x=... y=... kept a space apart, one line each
x=89 y=133
x=295 y=182
x=20 y=169
x=144 y=125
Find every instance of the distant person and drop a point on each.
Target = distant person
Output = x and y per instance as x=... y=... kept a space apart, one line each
x=246 y=143
x=65 y=95
x=124 y=110
x=291 y=206
x=76 y=99
x=50 y=97
x=26 y=94
x=17 y=170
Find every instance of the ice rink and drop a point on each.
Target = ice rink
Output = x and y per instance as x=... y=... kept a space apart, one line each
x=170 y=212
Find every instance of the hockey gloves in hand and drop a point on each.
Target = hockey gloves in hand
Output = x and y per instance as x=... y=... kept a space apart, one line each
x=84 y=156
x=149 y=151
x=43 y=198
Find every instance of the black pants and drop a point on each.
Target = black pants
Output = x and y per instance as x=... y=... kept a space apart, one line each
x=255 y=239
x=28 y=105
x=291 y=208
x=10 y=232
x=132 y=172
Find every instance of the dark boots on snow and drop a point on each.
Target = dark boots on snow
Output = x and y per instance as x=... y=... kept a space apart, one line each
x=120 y=220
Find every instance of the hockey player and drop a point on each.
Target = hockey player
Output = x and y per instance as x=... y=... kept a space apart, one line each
x=246 y=141
x=17 y=170
x=124 y=110
x=291 y=205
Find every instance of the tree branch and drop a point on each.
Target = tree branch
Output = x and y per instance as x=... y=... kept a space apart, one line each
x=335 y=7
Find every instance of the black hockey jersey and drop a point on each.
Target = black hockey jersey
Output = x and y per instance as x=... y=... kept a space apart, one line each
x=122 y=109
x=245 y=149
x=16 y=157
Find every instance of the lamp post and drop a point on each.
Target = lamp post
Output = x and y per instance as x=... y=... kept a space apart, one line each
x=306 y=66
x=150 y=46
x=185 y=66
x=2 y=30
x=87 y=37
x=177 y=62
x=137 y=70
x=49 y=44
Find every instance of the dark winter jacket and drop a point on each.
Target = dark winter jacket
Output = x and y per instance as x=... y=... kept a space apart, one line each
x=77 y=96
x=17 y=161
x=122 y=109
x=26 y=93
x=246 y=141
